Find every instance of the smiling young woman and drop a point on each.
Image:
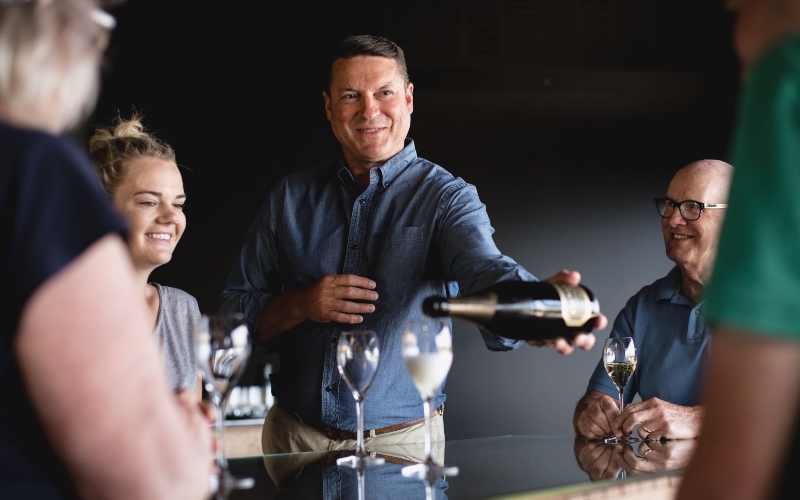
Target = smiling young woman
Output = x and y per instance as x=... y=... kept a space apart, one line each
x=141 y=176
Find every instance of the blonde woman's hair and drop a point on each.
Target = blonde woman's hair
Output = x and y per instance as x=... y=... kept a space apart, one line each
x=51 y=53
x=112 y=149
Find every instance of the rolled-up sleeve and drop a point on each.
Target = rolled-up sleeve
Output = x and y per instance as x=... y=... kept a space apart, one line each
x=469 y=253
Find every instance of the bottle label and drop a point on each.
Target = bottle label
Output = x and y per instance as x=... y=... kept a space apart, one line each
x=576 y=308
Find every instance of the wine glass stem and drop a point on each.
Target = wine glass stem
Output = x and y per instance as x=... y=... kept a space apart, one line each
x=219 y=422
x=360 y=451
x=621 y=403
x=361 y=489
x=426 y=408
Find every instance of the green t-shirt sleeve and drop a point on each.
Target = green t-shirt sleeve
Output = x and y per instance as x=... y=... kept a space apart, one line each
x=755 y=284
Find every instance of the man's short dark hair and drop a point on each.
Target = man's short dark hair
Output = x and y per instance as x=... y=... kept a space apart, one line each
x=368 y=45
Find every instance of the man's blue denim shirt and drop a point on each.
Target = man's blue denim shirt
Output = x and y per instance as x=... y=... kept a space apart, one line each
x=416 y=231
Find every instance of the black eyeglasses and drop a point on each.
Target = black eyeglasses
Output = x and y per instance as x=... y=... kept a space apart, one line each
x=689 y=209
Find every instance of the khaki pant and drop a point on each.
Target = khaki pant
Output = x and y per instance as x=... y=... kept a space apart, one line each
x=285 y=432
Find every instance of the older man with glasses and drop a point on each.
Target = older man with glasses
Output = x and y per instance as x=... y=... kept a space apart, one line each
x=666 y=320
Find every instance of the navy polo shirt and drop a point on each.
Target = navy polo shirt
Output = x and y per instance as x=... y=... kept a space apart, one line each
x=671 y=341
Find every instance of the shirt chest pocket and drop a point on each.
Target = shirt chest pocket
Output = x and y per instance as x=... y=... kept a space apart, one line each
x=397 y=258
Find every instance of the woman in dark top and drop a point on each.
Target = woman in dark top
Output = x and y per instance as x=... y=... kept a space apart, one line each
x=86 y=409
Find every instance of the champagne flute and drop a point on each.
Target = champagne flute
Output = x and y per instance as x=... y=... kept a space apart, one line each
x=222 y=348
x=428 y=355
x=619 y=359
x=357 y=356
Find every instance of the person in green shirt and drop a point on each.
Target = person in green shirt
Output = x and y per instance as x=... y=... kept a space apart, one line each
x=753 y=298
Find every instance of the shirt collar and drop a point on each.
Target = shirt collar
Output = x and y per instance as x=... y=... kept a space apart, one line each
x=670 y=286
x=387 y=172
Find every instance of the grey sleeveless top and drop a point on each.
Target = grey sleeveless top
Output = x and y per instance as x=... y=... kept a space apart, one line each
x=177 y=316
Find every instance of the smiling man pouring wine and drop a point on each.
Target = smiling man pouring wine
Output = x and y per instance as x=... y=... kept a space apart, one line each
x=666 y=320
x=362 y=240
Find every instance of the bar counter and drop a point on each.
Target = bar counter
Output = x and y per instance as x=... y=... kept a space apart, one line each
x=507 y=467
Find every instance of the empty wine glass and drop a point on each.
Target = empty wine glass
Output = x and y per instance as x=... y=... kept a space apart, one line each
x=428 y=355
x=619 y=359
x=357 y=356
x=222 y=348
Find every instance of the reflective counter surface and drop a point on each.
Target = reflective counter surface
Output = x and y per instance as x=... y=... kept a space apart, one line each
x=505 y=466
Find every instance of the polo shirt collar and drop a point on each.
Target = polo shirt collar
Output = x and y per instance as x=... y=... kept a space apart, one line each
x=670 y=286
x=669 y=290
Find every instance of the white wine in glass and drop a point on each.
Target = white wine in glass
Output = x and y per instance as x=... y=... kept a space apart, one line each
x=222 y=348
x=357 y=356
x=619 y=359
x=428 y=355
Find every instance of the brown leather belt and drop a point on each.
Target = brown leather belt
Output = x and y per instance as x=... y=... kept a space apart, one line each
x=334 y=433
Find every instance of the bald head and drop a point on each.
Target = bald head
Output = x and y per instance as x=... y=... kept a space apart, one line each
x=710 y=179
x=692 y=244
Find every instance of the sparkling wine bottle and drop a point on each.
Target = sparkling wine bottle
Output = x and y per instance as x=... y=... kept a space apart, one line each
x=523 y=310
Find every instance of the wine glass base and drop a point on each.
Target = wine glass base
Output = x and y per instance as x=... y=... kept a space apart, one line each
x=223 y=484
x=357 y=461
x=621 y=440
x=428 y=471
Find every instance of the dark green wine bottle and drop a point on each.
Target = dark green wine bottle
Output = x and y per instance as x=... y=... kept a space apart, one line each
x=523 y=310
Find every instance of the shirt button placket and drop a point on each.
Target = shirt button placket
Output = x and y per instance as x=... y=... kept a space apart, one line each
x=352 y=263
x=330 y=409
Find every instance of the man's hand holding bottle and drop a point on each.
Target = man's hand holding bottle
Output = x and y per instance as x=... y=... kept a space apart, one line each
x=583 y=341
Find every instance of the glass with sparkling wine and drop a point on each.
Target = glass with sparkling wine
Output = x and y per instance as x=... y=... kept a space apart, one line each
x=428 y=355
x=619 y=359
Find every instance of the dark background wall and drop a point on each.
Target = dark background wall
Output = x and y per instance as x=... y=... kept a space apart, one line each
x=568 y=115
